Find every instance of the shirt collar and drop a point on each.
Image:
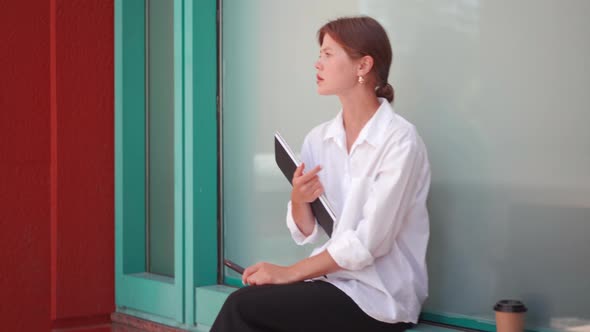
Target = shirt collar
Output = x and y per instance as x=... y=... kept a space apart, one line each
x=336 y=130
x=373 y=131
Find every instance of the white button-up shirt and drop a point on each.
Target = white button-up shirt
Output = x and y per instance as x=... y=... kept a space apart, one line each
x=378 y=192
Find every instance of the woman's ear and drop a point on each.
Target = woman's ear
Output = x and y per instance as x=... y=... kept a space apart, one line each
x=365 y=65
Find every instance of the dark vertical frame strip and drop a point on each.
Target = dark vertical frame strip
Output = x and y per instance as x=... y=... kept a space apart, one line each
x=220 y=242
x=148 y=267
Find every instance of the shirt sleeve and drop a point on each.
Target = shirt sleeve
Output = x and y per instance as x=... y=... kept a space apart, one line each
x=389 y=199
x=296 y=234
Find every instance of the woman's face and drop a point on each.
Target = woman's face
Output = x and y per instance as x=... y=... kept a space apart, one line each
x=336 y=71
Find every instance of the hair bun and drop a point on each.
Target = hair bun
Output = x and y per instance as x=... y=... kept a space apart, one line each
x=385 y=91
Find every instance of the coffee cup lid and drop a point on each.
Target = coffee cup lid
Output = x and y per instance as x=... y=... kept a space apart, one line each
x=510 y=306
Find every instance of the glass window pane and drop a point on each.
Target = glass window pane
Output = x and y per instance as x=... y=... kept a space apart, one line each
x=497 y=89
x=160 y=140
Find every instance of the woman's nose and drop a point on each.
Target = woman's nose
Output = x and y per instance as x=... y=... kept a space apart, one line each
x=317 y=65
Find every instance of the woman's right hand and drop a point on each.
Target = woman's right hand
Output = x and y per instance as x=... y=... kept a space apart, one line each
x=306 y=187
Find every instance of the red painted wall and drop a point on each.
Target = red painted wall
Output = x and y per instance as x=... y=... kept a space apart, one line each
x=85 y=164
x=56 y=163
x=24 y=165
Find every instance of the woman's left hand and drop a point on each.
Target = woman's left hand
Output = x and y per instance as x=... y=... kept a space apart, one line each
x=266 y=273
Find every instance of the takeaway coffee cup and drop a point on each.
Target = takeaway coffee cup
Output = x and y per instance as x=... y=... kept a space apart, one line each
x=510 y=316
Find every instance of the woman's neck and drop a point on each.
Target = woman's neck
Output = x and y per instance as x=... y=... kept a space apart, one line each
x=357 y=110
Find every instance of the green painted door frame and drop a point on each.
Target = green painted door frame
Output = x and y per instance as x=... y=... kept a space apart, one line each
x=164 y=299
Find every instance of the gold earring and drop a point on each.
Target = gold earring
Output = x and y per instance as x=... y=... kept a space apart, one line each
x=361 y=80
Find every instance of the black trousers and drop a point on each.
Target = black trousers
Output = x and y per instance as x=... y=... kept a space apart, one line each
x=302 y=306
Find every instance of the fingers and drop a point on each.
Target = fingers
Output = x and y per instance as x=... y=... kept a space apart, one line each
x=307 y=176
x=312 y=185
x=253 y=280
x=317 y=190
x=306 y=187
x=249 y=271
x=299 y=170
x=266 y=273
x=257 y=278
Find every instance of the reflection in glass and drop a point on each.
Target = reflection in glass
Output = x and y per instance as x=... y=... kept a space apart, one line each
x=160 y=138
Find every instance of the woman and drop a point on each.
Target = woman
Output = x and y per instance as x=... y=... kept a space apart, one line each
x=372 y=165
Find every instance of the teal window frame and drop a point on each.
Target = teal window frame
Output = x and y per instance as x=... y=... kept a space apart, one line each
x=171 y=301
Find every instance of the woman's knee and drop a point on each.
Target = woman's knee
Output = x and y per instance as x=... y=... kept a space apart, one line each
x=238 y=300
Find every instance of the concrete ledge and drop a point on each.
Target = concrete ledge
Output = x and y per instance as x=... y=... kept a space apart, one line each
x=209 y=300
x=431 y=328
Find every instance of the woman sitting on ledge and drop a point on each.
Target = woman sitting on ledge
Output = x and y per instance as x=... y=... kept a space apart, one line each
x=373 y=167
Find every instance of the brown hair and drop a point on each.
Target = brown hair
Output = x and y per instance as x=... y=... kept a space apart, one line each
x=361 y=36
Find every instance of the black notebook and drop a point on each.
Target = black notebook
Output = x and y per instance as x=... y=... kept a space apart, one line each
x=287 y=162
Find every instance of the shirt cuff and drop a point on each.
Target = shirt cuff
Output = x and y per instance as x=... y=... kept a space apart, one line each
x=296 y=234
x=348 y=251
